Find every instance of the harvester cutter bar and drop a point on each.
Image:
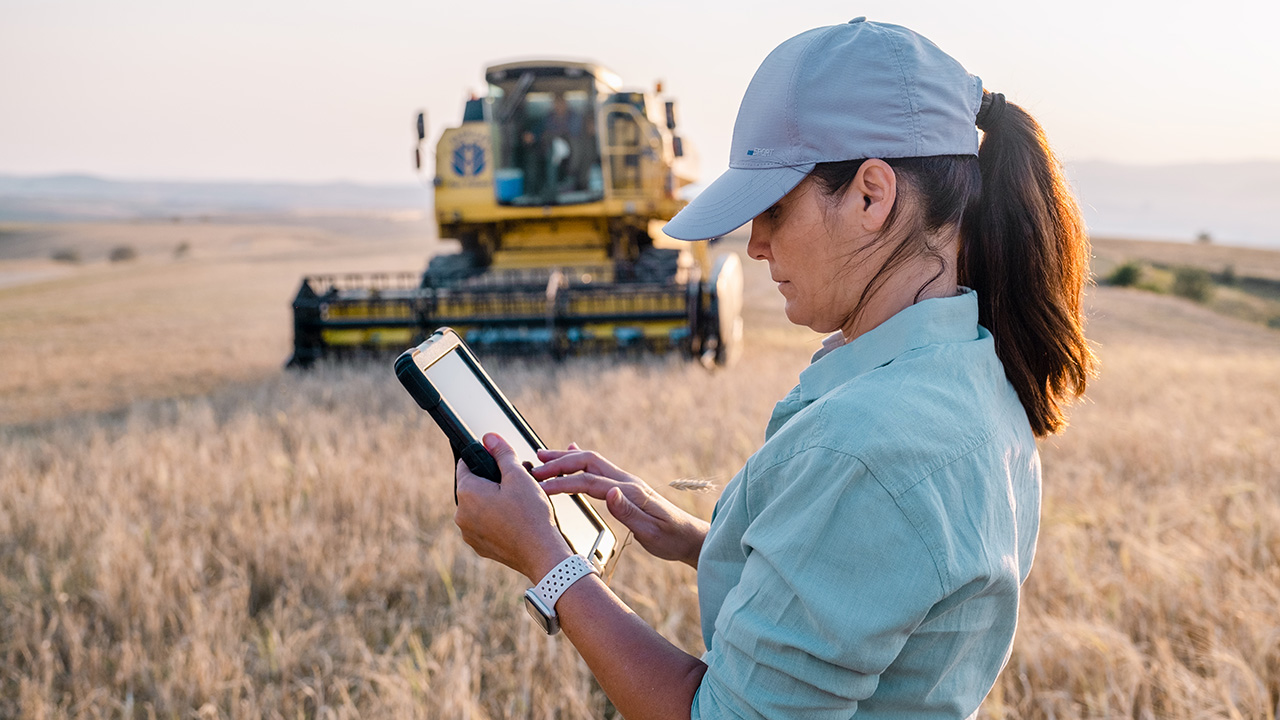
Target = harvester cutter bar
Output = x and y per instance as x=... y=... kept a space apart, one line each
x=518 y=310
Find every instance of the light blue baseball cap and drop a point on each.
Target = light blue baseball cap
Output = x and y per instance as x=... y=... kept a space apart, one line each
x=844 y=92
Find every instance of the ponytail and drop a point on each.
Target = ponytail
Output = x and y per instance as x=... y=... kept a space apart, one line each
x=1024 y=249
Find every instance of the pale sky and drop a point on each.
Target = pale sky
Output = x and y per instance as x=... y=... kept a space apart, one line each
x=286 y=90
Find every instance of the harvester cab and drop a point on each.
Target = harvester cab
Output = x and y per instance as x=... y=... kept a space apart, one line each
x=555 y=185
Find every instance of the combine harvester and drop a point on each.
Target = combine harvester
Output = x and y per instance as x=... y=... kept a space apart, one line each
x=556 y=186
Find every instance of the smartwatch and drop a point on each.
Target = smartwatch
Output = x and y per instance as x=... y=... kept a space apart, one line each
x=540 y=600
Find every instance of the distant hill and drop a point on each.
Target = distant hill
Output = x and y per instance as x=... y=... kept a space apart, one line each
x=1235 y=203
x=83 y=197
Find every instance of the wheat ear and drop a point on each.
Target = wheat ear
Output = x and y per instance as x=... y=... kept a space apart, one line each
x=693 y=484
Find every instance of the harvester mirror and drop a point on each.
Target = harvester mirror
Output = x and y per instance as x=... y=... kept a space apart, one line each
x=422 y=126
x=671 y=115
x=677 y=146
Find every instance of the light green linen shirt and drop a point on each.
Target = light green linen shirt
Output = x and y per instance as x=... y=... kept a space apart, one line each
x=868 y=558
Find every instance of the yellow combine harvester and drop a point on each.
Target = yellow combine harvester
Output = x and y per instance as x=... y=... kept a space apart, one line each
x=556 y=186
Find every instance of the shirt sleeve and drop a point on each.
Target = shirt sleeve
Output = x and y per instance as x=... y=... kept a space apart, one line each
x=836 y=578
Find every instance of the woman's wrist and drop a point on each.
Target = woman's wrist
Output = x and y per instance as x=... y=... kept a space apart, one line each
x=697 y=534
x=544 y=558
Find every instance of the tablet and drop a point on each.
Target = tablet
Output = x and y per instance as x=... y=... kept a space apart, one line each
x=446 y=379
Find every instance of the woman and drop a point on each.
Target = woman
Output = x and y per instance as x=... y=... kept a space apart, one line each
x=868 y=558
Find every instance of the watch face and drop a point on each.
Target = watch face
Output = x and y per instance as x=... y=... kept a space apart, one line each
x=548 y=622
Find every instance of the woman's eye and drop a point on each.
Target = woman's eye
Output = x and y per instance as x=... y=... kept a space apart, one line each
x=772 y=212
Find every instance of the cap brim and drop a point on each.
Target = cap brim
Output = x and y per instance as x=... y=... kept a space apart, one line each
x=733 y=200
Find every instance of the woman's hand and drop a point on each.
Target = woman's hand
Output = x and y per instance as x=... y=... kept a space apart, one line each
x=663 y=529
x=512 y=521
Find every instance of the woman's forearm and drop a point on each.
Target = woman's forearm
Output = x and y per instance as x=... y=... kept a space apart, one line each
x=643 y=673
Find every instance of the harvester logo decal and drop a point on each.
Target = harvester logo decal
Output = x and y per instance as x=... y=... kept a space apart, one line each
x=468 y=159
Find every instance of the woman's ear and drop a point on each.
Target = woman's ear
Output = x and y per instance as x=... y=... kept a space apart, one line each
x=871 y=195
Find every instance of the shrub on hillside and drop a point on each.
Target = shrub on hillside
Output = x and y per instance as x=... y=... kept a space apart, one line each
x=1193 y=283
x=1126 y=274
x=122 y=253
x=65 y=255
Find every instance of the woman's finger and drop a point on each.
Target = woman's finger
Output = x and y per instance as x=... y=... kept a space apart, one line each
x=502 y=453
x=579 y=461
x=547 y=454
x=619 y=506
x=629 y=514
x=468 y=483
x=585 y=483
x=556 y=466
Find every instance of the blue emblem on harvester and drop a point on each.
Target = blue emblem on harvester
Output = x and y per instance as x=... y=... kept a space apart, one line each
x=468 y=159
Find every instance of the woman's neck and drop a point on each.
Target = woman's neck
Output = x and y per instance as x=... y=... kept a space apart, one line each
x=919 y=280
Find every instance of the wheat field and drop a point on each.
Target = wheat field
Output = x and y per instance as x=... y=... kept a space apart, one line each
x=280 y=545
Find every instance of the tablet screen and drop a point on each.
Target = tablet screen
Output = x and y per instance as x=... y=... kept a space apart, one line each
x=476 y=407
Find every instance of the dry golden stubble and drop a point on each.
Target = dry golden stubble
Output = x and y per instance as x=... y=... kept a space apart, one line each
x=283 y=546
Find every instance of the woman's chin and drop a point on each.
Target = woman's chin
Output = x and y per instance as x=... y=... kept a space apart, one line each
x=818 y=325
x=797 y=316
x=793 y=315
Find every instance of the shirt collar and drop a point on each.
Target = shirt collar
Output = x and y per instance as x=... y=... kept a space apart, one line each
x=928 y=322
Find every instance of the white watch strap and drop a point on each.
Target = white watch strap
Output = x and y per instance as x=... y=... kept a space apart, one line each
x=569 y=571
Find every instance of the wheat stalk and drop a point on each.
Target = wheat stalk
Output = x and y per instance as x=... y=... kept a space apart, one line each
x=699 y=485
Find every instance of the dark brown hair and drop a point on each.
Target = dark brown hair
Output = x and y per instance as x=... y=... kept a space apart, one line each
x=1023 y=249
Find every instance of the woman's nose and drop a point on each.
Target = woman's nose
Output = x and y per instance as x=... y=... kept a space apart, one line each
x=758 y=244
